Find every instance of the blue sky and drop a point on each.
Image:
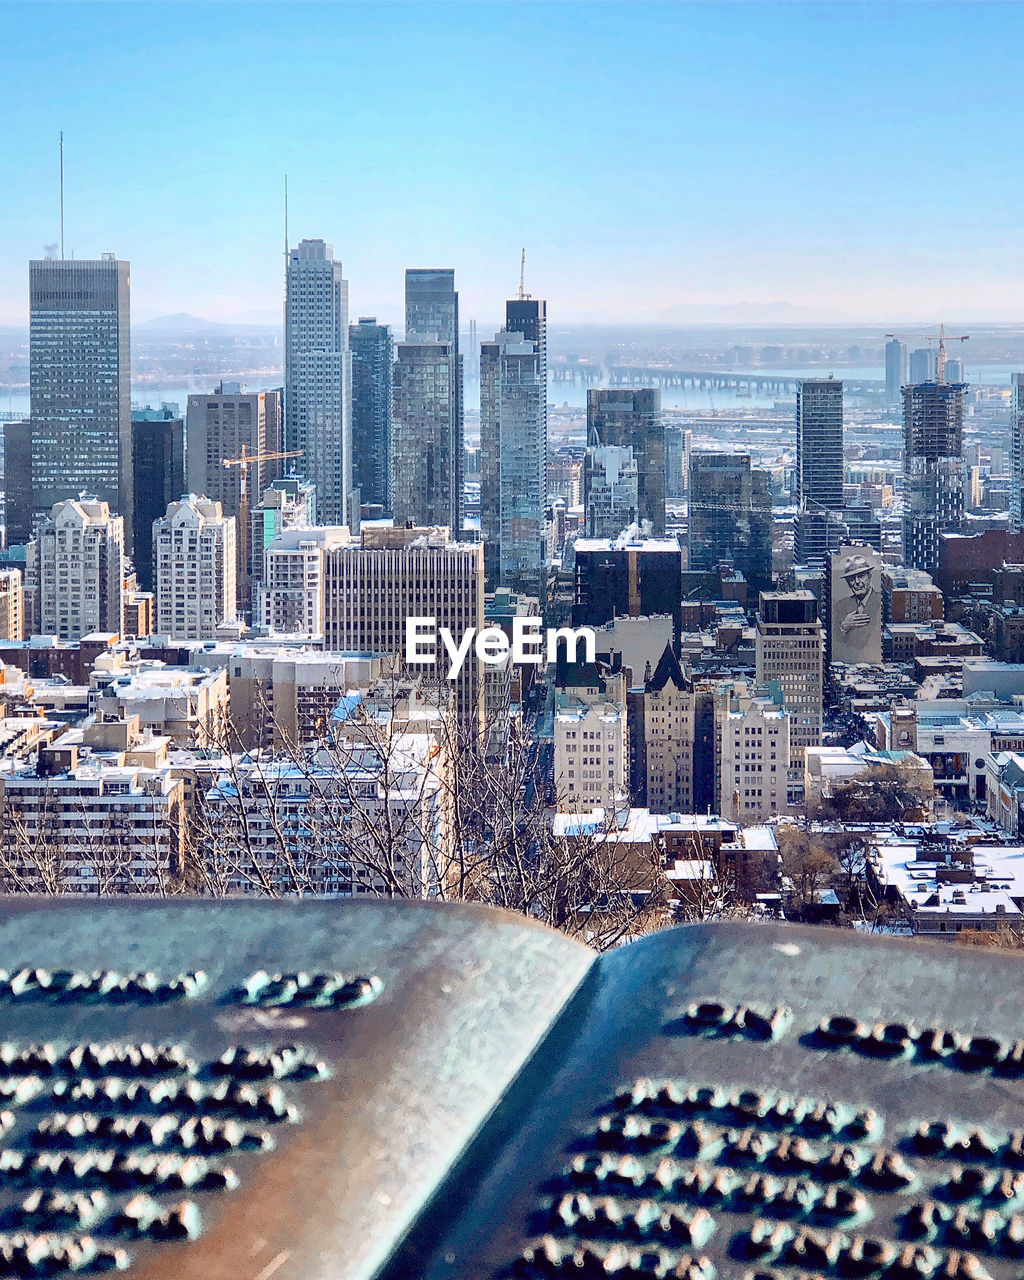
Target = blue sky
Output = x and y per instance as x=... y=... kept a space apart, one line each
x=856 y=158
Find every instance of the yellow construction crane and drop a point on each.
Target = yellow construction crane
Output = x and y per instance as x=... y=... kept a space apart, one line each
x=243 y=463
x=940 y=363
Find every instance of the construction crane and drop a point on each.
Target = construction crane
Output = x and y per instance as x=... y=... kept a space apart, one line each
x=940 y=364
x=243 y=463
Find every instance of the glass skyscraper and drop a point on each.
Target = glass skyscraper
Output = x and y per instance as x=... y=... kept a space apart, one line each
x=318 y=377
x=513 y=447
x=80 y=382
x=427 y=435
x=632 y=419
x=373 y=354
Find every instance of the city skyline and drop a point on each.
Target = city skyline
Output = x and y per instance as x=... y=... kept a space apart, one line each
x=720 y=171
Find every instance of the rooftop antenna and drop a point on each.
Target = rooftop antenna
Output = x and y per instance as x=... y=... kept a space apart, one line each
x=522 y=277
x=286 y=218
x=62 y=195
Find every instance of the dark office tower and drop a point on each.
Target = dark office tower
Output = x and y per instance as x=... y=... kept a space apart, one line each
x=158 y=473
x=922 y=366
x=80 y=380
x=424 y=466
x=513 y=447
x=318 y=377
x=432 y=315
x=373 y=354
x=18 y=508
x=730 y=517
x=819 y=444
x=619 y=578
x=1016 y=448
x=632 y=419
x=933 y=469
x=895 y=371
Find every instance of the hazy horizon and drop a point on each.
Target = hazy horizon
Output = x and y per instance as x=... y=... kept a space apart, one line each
x=662 y=163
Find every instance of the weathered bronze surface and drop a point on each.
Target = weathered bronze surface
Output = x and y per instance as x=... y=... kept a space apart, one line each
x=236 y=1091
x=351 y=1091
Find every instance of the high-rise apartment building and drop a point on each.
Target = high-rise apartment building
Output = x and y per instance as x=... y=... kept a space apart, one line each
x=196 y=570
x=80 y=381
x=287 y=503
x=678 y=447
x=12 y=605
x=789 y=649
x=291 y=595
x=1017 y=446
x=819 y=463
x=730 y=517
x=374 y=584
x=632 y=419
x=79 y=570
x=895 y=371
x=158 y=478
x=933 y=469
x=513 y=447
x=373 y=354
x=426 y=448
x=819 y=444
x=921 y=365
x=318 y=377
x=431 y=306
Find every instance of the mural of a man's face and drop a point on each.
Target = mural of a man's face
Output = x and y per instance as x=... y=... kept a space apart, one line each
x=860 y=583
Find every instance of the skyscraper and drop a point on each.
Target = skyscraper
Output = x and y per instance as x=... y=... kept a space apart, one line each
x=80 y=381
x=427 y=441
x=1017 y=446
x=513 y=447
x=933 y=468
x=895 y=370
x=218 y=427
x=318 y=377
x=373 y=354
x=426 y=477
x=922 y=366
x=819 y=462
x=158 y=477
x=819 y=444
x=633 y=419
x=730 y=517
x=431 y=305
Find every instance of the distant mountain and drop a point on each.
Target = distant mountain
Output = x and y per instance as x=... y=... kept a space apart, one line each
x=183 y=323
x=748 y=313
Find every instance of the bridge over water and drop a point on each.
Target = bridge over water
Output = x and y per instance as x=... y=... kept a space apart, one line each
x=698 y=379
